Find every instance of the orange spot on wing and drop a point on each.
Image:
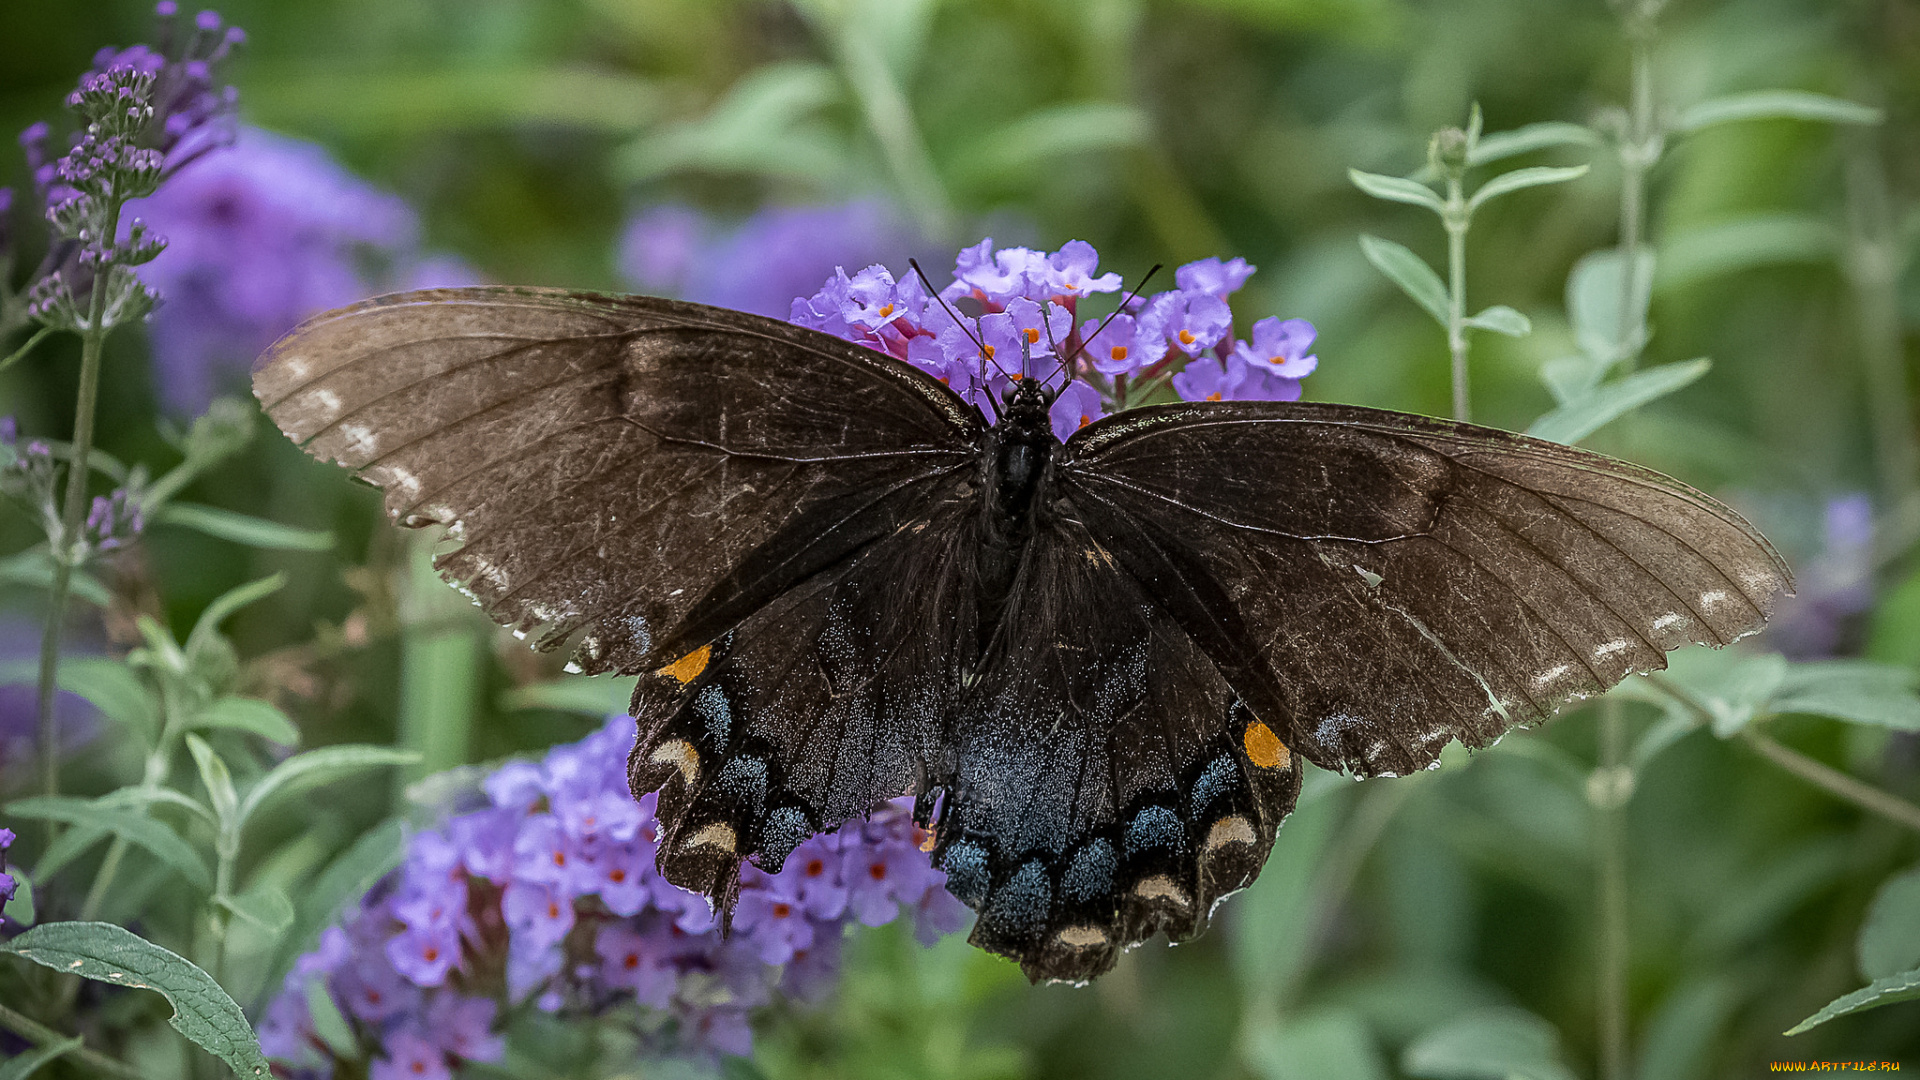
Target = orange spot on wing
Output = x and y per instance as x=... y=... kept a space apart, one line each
x=1264 y=748
x=688 y=668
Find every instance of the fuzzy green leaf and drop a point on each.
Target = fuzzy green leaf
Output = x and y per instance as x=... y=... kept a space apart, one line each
x=1524 y=140
x=202 y=1011
x=1904 y=986
x=1776 y=105
x=318 y=766
x=1490 y=1044
x=1502 y=319
x=138 y=829
x=1889 y=941
x=1334 y=1045
x=108 y=685
x=1397 y=189
x=1582 y=417
x=250 y=715
x=1859 y=691
x=216 y=778
x=264 y=906
x=243 y=528
x=1015 y=149
x=19 y=909
x=1744 y=244
x=1410 y=272
x=33 y=567
x=1513 y=181
x=208 y=624
x=1593 y=305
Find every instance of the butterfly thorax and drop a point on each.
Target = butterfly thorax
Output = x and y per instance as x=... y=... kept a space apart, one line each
x=1023 y=445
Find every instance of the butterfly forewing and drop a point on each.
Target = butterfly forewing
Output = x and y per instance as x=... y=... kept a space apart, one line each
x=1395 y=582
x=607 y=462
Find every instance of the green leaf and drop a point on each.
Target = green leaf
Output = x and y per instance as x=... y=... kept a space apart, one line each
x=1272 y=923
x=1580 y=418
x=1410 y=272
x=1732 y=687
x=226 y=604
x=216 y=778
x=1523 y=178
x=72 y=844
x=574 y=693
x=202 y=1011
x=1894 y=988
x=264 y=906
x=108 y=685
x=1593 y=305
x=1525 y=140
x=1489 y=1044
x=328 y=1023
x=247 y=714
x=318 y=766
x=1776 y=105
x=165 y=844
x=1397 y=189
x=1015 y=149
x=1860 y=691
x=27 y=1062
x=359 y=100
x=1730 y=247
x=34 y=568
x=1502 y=319
x=20 y=908
x=766 y=124
x=345 y=879
x=1333 y=1045
x=140 y=798
x=1889 y=941
x=243 y=528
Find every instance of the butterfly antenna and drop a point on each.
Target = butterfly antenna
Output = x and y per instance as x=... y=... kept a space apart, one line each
x=1128 y=299
x=955 y=316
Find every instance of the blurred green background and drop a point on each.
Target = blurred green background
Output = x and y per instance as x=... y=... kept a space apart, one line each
x=525 y=133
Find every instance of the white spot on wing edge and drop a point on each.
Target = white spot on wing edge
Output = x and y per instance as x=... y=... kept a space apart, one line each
x=719 y=835
x=1610 y=648
x=1161 y=887
x=681 y=755
x=1668 y=620
x=1082 y=937
x=1552 y=674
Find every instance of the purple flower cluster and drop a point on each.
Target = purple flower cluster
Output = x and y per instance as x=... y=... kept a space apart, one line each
x=761 y=264
x=7 y=884
x=1014 y=314
x=31 y=475
x=548 y=895
x=262 y=235
x=1835 y=586
x=145 y=112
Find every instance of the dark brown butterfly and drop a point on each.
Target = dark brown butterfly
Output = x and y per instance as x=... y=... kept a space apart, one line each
x=1097 y=664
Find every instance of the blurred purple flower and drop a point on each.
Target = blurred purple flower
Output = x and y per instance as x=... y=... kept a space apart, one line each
x=261 y=236
x=554 y=884
x=1835 y=585
x=1280 y=347
x=764 y=262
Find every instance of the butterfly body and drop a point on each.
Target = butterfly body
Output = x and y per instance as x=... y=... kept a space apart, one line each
x=1097 y=663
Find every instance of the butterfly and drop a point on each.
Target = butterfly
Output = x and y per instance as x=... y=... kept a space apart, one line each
x=1097 y=664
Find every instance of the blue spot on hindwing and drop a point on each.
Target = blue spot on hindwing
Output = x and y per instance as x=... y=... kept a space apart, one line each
x=1155 y=827
x=1216 y=780
x=1090 y=875
x=1022 y=905
x=966 y=865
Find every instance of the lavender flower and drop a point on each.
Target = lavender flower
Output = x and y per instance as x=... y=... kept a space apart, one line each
x=1009 y=314
x=7 y=884
x=262 y=235
x=1835 y=586
x=767 y=260
x=548 y=895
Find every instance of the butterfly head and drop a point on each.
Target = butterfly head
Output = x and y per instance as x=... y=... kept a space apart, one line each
x=1026 y=400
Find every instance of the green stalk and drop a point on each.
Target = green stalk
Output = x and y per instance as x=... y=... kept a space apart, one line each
x=66 y=546
x=1873 y=263
x=1833 y=781
x=1608 y=790
x=98 y=1064
x=1456 y=221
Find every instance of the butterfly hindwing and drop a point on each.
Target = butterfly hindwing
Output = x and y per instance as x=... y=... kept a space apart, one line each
x=606 y=462
x=1377 y=584
x=1100 y=786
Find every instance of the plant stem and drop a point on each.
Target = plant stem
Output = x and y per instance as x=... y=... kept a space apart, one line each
x=66 y=547
x=1608 y=791
x=1865 y=796
x=1873 y=265
x=1456 y=222
x=1640 y=146
x=40 y=1034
